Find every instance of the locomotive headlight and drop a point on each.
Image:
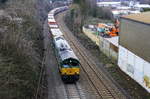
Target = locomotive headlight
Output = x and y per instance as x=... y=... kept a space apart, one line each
x=77 y=72
x=63 y=73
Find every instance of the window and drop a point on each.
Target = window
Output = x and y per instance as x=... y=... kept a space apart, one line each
x=58 y=38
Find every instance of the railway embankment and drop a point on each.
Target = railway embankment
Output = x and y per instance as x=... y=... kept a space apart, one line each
x=21 y=47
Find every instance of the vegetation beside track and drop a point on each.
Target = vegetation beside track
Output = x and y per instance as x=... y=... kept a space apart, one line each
x=21 y=47
x=82 y=14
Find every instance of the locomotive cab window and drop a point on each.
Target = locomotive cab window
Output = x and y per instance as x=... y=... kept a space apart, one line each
x=70 y=63
x=58 y=38
x=74 y=63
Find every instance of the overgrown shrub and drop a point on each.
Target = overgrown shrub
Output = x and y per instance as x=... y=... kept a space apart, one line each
x=80 y=12
x=21 y=50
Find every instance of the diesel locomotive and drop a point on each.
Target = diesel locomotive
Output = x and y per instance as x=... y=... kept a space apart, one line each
x=68 y=63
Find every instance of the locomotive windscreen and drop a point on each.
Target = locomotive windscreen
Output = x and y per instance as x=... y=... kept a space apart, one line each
x=70 y=63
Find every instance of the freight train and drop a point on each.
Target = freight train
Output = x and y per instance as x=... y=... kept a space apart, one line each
x=69 y=65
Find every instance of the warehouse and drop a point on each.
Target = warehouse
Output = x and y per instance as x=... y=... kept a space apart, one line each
x=134 y=47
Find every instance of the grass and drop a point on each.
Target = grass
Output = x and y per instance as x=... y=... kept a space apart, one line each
x=95 y=21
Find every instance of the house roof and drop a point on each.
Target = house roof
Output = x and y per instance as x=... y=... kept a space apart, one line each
x=140 y=17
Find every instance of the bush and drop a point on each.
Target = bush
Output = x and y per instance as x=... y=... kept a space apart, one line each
x=76 y=1
x=146 y=9
x=89 y=8
x=102 y=13
x=21 y=53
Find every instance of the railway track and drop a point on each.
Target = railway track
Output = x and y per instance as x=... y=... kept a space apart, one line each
x=74 y=91
x=102 y=84
x=104 y=91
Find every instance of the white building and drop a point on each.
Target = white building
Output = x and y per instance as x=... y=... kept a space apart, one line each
x=123 y=7
x=141 y=6
x=108 y=4
x=118 y=13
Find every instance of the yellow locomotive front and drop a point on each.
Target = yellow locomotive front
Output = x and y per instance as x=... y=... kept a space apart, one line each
x=70 y=70
x=68 y=62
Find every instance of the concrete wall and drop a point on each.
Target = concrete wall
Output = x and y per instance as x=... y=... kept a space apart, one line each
x=105 y=46
x=90 y=34
x=108 y=49
x=134 y=66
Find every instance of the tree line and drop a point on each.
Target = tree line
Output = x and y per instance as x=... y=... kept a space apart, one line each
x=89 y=8
x=3 y=1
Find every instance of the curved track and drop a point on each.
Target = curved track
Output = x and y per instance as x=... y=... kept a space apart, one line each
x=97 y=78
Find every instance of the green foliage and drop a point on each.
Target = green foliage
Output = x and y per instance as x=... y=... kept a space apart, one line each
x=146 y=9
x=89 y=8
x=84 y=5
x=3 y=1
x=81 y=11
x=76 y=1
x=102 y=13
x=72 y=13
x=94 y=21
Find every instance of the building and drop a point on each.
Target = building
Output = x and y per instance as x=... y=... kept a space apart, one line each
x=108 y=4
x=141 y=6
x=134 y=47
x=120 y=12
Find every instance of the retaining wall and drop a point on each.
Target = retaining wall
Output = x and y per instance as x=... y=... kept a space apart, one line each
x=109 y=49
